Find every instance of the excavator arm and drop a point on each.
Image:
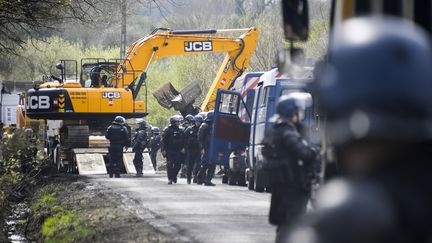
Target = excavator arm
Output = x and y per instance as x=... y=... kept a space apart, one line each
x=132 y=72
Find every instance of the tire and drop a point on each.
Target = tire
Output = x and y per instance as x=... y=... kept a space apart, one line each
x=251 y=183
x=242 y=179
x=224 y=179
x=258 y=186
x=232 y=178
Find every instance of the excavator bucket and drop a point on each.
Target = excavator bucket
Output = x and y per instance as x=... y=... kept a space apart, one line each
x=187 y=96
x=165 y=94
x=182 y=101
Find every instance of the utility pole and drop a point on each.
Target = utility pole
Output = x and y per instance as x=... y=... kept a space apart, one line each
x=123 y=29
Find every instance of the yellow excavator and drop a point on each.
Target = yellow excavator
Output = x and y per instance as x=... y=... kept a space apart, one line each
x=65 y=99
x=108 y=88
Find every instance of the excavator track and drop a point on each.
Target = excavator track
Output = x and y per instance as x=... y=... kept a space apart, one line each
x=71 y=136
x=77 y=136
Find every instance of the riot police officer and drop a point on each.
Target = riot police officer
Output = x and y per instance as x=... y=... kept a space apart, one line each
x=118 y=136
x=173 y=143
x=289 y=163
x=206 y=173
x=188 y=121
x=140 y=143
x=192 y=146
x=376 y=93
x=155 y=144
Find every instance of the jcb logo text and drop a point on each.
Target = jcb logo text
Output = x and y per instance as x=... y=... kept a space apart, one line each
x=198 y=46
x=38 y=102
x=111 y=95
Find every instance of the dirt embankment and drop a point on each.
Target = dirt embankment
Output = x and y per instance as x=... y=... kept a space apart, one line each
x=71 y=210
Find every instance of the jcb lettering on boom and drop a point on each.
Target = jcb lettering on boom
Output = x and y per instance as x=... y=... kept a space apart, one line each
x=191 y=46
x=38 y=102
x=111 y=95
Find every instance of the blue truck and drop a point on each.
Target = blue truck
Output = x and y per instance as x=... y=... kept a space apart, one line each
x=241 y=118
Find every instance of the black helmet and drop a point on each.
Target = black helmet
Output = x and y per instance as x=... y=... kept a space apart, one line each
x=287 y=107
x=210 y=116
x=378 y=81
x=155 y=130
x=175 y=118
x=190 y=118
x=198 y=118
x=141 y=122
x=119 y=120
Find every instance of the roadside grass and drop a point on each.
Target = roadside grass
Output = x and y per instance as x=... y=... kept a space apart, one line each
x=56 y=223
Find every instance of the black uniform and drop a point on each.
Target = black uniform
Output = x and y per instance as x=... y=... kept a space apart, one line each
x=393 y=205
x=173 y=143
x=193 y=151
x=155 y=144
x=119 y=137
x=206 y=173
x=289 y=162
x=183 y=169
x=140 y=143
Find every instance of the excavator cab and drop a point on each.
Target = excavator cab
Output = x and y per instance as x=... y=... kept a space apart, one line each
x=98 y=74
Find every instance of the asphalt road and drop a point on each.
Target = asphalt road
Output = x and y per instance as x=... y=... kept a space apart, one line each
x=194 y=212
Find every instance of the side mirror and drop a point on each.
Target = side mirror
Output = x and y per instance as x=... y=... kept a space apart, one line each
x=296 y=19
x=289 y=58
x=60 y=66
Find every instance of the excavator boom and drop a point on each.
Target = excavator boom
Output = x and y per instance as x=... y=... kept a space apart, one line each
x=189 y=42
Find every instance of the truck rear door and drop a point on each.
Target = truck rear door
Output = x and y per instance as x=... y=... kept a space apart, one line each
x=231 y=126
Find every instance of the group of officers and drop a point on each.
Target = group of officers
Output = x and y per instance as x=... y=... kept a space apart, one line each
x=375 y=92
x=118 y=135
x=185 y=141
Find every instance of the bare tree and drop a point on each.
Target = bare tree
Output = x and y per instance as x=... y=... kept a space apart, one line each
x=21 y=20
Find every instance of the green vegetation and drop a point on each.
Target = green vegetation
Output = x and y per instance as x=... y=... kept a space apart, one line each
x=20 y=162
x=40 y=57
x=55 y=223
x=20 y=165
x=64 y=228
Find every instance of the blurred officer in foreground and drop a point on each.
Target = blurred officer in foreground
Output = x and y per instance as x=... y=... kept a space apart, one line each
x=173 y=143
x=206 y=173
x=376 y=92
x=139 y=144
x=118 y=136
x=192 y=147
x=289 y=163
x=155 y=144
